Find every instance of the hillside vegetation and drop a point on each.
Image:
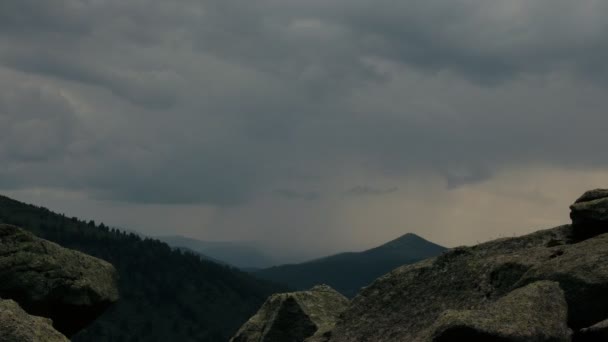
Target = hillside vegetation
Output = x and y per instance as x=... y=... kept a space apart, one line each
x=166 y=294
x=238 y=254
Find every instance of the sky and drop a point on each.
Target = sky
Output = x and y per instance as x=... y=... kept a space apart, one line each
x=310 y=127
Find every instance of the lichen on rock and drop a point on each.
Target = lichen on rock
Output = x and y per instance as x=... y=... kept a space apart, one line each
x=537 y=312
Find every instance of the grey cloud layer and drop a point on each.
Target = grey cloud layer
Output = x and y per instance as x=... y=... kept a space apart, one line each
x=217 y=101
x=365 y=190
x=296 y=195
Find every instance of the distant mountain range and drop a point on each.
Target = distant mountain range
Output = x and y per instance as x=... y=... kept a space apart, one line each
x=166 y=294
x=238 y=254
x=348 y=272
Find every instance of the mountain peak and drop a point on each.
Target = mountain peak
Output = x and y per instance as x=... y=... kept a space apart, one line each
x=409 y=236
x=348 y=272
x=409 y=241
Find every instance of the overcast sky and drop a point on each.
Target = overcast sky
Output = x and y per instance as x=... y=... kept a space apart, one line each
x=312 y=126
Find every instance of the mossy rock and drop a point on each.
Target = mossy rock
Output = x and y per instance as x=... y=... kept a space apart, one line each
x=537 y=312
x=48 y=280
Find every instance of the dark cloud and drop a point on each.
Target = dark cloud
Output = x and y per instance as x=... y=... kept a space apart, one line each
x=458 y=177
x=38 y=124
x=217 y=101
x=144 y=88
x=365 y=190
x=30 y=16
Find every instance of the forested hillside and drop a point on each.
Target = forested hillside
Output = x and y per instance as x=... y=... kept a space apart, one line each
x=166 y=294
x=239 y=254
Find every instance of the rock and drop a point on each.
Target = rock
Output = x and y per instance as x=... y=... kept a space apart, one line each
x=592 y=195
x=48 y=280
x=589 y=214
x=405 y=303
x=537 y=312
x=292 y=317
x=582 y=271
x=596 y=333
x=16 y=325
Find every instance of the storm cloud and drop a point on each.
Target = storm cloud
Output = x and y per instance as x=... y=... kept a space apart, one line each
x=211 y=103
x=365 y=190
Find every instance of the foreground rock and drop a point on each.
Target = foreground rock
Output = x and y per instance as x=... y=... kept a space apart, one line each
x=16 y=325
x=296 y=316
x=67 y=286
x=537 y=312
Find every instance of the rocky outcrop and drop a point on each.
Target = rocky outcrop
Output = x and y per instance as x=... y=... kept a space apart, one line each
x=16 y=325
x=589 y=214
x=406 y=303
x=546 y=286
x=295 y=317
x=592 y=195
x=537 y=312
x=67 y=286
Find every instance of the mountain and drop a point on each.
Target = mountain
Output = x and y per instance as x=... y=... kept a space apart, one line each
x=166 y=294
x=238 y=254
x=348 y=272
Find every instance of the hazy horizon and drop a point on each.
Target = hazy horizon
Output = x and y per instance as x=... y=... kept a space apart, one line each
x=314 y=127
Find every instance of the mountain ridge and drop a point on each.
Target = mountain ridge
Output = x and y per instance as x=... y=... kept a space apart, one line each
x=347 y=272
x=242 y=255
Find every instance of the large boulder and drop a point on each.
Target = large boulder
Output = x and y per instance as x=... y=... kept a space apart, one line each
x=48 y=280
x=537 y=312
x=16 y=325
x=582 y=271
x=294 y=317
x=589 y=214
